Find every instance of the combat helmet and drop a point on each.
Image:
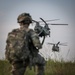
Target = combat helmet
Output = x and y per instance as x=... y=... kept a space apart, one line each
x=25 y=18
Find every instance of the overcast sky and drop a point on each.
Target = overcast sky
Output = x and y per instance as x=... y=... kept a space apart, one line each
x=47 y=9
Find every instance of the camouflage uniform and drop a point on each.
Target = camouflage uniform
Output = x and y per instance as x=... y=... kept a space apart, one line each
x=31 y=56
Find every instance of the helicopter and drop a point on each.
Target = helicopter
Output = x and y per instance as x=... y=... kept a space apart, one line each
x=55 y=47
x=44 y=31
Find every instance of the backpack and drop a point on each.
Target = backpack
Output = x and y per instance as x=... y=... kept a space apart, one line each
x=17 y=45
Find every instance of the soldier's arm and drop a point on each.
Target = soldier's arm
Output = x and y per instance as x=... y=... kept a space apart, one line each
x=35 y=40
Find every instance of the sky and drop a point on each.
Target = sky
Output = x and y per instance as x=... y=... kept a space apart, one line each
x=47 y=9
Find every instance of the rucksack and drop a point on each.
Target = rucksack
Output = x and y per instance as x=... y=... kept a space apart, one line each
x=17 y=45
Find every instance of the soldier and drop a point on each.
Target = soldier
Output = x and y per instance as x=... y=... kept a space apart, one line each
x=22 y=47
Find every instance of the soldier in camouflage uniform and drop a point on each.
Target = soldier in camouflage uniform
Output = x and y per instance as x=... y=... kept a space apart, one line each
x=22 y=47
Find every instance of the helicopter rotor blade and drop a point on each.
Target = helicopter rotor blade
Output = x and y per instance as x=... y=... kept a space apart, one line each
x=34 y=21
x=50 y=43
x=63 y=44
x=54 y=24
x=49 y=20
x=58 y=24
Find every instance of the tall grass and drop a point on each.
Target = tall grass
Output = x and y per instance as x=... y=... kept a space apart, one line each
x=60 y=68
x=51 y=68
x=4 y=67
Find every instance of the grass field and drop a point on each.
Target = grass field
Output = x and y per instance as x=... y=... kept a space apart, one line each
x=52 y=68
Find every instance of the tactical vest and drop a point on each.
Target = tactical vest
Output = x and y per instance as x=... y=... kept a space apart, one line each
x=17 y=45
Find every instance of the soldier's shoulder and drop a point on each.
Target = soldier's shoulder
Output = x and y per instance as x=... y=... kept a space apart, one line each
x=14 y=30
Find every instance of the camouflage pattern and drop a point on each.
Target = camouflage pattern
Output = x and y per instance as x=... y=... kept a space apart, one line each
x=19 y=67
x=35 y=40
x=22 y=49
x=16 y=48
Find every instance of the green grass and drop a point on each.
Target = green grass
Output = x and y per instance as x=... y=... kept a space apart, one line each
x=4 y=67
x=60 y=68
x=51 y=68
